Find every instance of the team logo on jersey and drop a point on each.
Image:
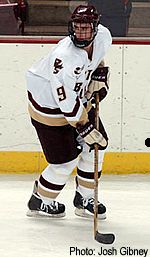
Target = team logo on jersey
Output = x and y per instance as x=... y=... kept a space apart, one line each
x=58 y=65
x=78 y=70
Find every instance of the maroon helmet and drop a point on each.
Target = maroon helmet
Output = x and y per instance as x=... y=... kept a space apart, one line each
x=83 y=14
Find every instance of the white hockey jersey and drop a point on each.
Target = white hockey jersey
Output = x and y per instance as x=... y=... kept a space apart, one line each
x=57 y=84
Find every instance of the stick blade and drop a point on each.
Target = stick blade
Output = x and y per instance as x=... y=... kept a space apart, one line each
x=104 y=238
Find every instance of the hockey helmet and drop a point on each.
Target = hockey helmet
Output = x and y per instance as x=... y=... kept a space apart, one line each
x=83 y=14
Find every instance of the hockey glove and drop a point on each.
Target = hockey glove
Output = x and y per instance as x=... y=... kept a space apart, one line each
x=99 y=83
x=92 y=136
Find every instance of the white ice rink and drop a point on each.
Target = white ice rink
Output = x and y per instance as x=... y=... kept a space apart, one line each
x=128 y=216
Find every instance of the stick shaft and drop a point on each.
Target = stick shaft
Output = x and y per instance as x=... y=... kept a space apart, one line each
x=96 y=167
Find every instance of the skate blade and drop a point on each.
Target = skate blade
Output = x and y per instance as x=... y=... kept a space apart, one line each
x=40 y=214
x=86 y=214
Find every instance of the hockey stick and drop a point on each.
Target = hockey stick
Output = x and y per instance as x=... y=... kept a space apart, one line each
x=99 y=237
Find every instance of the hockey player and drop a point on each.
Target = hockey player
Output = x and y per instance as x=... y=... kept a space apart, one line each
x=60 y=91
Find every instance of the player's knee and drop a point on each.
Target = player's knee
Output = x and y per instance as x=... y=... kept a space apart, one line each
x=86 y=161
x=65 y=168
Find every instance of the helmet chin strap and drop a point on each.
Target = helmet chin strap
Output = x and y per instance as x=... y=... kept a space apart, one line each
x=81 y=43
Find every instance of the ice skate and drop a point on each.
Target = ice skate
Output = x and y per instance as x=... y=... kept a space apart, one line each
x=38 y=208
x=85 y=207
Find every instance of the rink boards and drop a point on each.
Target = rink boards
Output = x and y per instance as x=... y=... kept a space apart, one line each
x=125 y=112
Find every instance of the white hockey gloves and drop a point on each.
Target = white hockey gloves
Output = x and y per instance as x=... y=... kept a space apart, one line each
x=92 y=136
x=99 y=83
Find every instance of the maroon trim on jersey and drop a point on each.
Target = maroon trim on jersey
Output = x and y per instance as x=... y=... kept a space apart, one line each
x=75 y=109
x=88 y=175
x=49 y=185
x=43 y=109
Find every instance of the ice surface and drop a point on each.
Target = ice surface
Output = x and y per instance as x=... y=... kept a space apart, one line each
x=127 y=199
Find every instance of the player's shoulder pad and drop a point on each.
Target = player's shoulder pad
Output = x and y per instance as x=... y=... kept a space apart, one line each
x=71 y=58
x=103 y=33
